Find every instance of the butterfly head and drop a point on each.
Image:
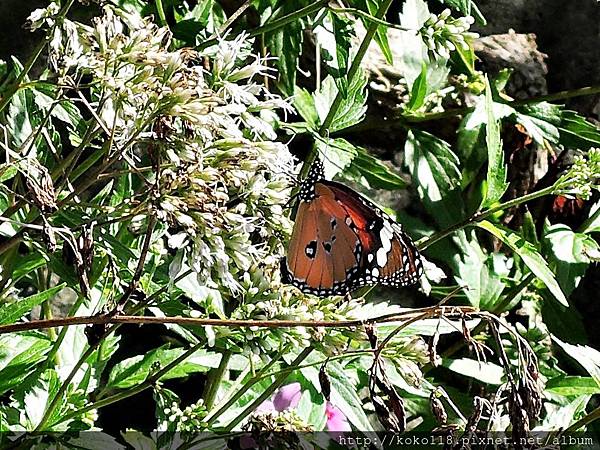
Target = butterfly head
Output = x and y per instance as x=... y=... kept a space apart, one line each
x=315 y=174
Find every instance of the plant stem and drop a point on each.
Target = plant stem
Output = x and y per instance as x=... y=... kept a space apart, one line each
x=478 y=217
x=225 y=405
x=276 y=24
x=367 y=16
x=108 y=319
x=268 y=391
x=162 y=17
x=584 y=421
x=355 y=66
x=214 y=380
x=149 y=382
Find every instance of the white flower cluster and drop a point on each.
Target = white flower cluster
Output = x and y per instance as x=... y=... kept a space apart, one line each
x=582 y=177
x=443 y=33
x=205 y=118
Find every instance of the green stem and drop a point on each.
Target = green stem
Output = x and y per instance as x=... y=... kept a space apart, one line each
x=214 y=380
x=234 y=17
x=584 y=421
x=478 y=217
x=369 y=17
x=149 y=382
x=225 y=405
x=51 y=356
x=276 y=24
x=162 y=18
x=355 y=66
x=352 y=71
x=269 y=390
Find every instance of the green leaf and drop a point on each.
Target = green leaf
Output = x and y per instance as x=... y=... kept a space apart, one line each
x=336 y=154
x=529 y=255
x=20 y=355
x=7 y=172
x=371 y=6
x=574 y=130
x=539 y=130
x=305 y=106
x=338 y=67
x=344 y=395
x=14 y=311
x=434 y=169
x=418 y=91
x=470 y=148
x=286 y=44
x=24 y=265
x=486 y=372
x=36 y=398
x=571 y=253
x=572 y=386
x=352 y=108
x=376 y=174
x=96 y=440
x=496 y=171
x=482 y=274
x=587 y=357
x=133 y=371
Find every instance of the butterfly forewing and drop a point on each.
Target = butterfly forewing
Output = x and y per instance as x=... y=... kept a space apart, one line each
x=323 y=250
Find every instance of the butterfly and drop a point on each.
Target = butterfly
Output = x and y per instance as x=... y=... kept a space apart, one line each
x=341 y=241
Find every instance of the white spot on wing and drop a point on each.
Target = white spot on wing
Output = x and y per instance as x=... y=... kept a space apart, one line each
x=381 y=257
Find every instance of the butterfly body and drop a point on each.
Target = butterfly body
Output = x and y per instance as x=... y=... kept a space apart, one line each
x=341 y=241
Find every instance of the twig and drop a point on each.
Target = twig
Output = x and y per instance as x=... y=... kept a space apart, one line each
x=106 y=319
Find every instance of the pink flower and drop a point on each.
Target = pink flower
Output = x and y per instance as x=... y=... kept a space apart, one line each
x=287 y=397
x=336 y=420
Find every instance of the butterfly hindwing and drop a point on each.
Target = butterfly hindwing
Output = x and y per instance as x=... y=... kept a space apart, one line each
x=389 y=255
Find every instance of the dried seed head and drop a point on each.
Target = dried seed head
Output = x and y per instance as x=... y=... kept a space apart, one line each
x=437 y=407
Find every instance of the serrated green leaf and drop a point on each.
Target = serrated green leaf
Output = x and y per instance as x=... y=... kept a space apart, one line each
x=343 y=32
x=336 y=155
x=586 y=356
x=434 y=169
x=286 y=44
x=14 y=311
x=481 y=274
x=418 y=91
x=351 y=109
x=24 y=265
x=529 y=255
x=574 y=130
x=496 y=171
x=20 y=355
x=305 y=106
x=377 y=174
x=571 y=254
